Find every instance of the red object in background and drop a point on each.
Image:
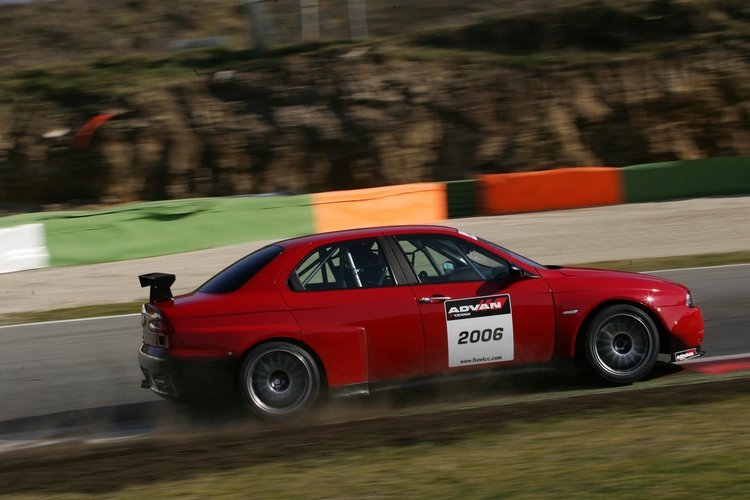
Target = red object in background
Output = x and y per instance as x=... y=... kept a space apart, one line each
x=83 y=136
x=344 y=311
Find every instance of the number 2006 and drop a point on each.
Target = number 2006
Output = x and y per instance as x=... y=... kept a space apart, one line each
x=475 y=336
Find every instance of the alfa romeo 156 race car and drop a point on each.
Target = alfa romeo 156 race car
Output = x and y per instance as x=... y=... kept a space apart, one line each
x=341 y=312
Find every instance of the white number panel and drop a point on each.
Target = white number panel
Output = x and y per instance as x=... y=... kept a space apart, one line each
x=480 y=330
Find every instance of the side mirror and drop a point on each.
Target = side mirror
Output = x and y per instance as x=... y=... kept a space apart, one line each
x=516 y=273
x=513 y=273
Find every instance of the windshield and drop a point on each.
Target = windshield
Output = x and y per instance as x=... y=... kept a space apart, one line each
x=516 y=256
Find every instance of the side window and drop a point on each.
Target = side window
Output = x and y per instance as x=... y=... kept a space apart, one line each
x=239 y=273
x=421 y=257
x=443 y=259
x=350 y=264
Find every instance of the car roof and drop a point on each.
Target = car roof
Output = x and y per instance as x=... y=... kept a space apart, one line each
x=369 y=232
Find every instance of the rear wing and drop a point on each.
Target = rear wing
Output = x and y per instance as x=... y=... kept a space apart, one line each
x=160 y=284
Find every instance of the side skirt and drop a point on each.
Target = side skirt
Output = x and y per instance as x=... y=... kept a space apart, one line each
x=368 y=388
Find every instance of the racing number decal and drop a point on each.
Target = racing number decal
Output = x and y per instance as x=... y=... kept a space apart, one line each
x=480 y=330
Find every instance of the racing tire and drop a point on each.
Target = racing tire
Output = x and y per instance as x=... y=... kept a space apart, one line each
x=279 y=380
x=621 y=344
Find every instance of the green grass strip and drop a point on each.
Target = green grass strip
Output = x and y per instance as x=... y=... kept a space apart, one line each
x=679 y=262
x=93 y=311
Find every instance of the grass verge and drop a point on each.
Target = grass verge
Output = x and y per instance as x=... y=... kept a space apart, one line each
x=711 y=259
x=685 y=261
x=660 y=442
x=92 y=311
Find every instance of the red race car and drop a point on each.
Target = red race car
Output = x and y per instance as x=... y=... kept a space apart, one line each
x=341 y=312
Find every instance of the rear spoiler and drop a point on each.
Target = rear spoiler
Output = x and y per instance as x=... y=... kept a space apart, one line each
x=160 y=284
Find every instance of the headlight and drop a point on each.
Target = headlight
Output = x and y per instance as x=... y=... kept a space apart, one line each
x=689 y=300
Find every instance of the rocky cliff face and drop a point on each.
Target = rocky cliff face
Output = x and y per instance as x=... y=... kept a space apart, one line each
x=367 y=116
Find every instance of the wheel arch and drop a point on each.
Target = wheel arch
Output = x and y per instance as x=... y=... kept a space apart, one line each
x=288 y=340
x=580 y=333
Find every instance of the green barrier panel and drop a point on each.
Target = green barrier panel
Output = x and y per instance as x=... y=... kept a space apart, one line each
x=686 y=179
x=462 y=198
x=164 y=227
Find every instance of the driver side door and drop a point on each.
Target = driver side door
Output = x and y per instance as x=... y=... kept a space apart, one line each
x=474 y=311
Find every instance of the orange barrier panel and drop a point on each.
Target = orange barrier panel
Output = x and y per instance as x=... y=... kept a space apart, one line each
x=551 y=190
x=387 y=205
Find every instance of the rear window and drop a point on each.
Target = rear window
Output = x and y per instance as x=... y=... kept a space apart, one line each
x=233 y=277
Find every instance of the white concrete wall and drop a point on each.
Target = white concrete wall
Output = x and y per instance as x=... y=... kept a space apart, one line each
x=23 y=247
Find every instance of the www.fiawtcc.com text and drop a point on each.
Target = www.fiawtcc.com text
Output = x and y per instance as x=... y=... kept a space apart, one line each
x=485 y=359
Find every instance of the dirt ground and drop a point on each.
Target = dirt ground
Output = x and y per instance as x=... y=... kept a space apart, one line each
x=687 y=227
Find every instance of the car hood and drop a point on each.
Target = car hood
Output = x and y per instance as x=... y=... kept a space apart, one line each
x=590 y=271
x=641 y=279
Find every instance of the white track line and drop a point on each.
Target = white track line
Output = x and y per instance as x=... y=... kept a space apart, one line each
x=704 y=359
x=63 y=321
x=695 y=268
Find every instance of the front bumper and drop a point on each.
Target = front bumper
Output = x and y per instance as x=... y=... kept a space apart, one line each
x=685 y=328
x=693 y=352
x=185 y=379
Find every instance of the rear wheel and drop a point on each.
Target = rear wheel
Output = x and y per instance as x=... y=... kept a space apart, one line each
x=621 y=344
x=279 y=380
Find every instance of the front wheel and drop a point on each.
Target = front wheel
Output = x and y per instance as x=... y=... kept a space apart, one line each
x=279 y=380
x=621 y=344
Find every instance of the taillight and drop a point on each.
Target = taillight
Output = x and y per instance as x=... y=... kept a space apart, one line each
x=156 y=328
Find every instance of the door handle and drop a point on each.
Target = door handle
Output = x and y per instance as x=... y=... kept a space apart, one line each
x=433 y=300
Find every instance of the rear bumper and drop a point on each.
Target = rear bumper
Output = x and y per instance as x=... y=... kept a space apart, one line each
x=185 y=379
